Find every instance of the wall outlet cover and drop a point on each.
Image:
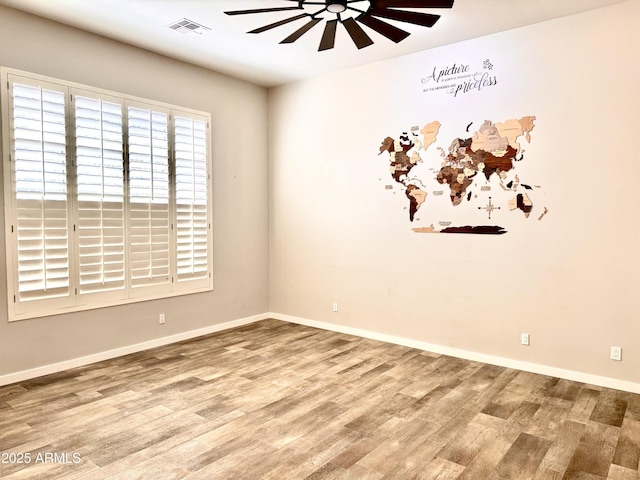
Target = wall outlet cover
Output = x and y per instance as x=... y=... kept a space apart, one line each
x=616 y=353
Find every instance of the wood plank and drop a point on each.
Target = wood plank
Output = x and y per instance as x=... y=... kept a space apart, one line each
x=547 y=421
x=583 y=407
x=621 y=473
x=523 y=458
x=627 y=452
x=485 y=462
x=611 y=408
x=595 y=451
x=464 y=447
x=564 y=445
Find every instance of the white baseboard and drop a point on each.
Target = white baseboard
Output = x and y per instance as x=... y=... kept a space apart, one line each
x=474 y=356
x=407 y=342
x=118 y=352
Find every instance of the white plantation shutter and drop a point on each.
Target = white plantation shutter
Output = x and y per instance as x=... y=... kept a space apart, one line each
x=100 y=194
x=40 y=214
x=149 y=199
x=107 y=197
x=192 y=215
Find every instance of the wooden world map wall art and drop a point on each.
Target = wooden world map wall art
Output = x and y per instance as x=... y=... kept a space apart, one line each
x=478 y=174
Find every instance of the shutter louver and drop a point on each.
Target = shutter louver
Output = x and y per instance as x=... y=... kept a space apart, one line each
x=39 y=139
x=149 y=215
x=100 y=195
x=191 y=182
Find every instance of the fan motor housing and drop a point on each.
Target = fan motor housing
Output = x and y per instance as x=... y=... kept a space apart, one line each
x=336 y=6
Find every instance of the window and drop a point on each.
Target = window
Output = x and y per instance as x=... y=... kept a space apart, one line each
x=107 y=197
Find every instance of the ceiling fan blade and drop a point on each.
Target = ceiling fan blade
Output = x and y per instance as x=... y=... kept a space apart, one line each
x=301 y=31
x=417 y=18
x=357 y=34
x=278 y=24
x=412 y=3
x=260 y=10
x=329 y=35
x=394 y=34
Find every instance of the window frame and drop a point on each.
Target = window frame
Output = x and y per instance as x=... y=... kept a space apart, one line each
x=129 y=293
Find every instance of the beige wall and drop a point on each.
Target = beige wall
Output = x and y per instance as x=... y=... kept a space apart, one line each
x=240 y=192
x=571 y=280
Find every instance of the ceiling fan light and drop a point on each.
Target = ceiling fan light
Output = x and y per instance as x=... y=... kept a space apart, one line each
x=336 y=6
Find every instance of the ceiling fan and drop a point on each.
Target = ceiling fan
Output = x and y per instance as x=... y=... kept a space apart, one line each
x=352 y=13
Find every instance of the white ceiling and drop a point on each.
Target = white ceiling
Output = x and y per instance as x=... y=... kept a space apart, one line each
x=260 y=58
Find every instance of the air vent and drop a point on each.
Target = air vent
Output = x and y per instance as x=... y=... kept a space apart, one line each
x=184 y=25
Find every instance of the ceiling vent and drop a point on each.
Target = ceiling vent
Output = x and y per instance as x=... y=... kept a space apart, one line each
x=184 y=25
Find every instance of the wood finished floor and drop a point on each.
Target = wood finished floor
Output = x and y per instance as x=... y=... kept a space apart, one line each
x=278 y=401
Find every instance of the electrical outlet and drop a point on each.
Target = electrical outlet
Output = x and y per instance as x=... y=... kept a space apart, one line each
x=524 y=339
x=161 y=318
x=335 y=307
x=616 y=353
